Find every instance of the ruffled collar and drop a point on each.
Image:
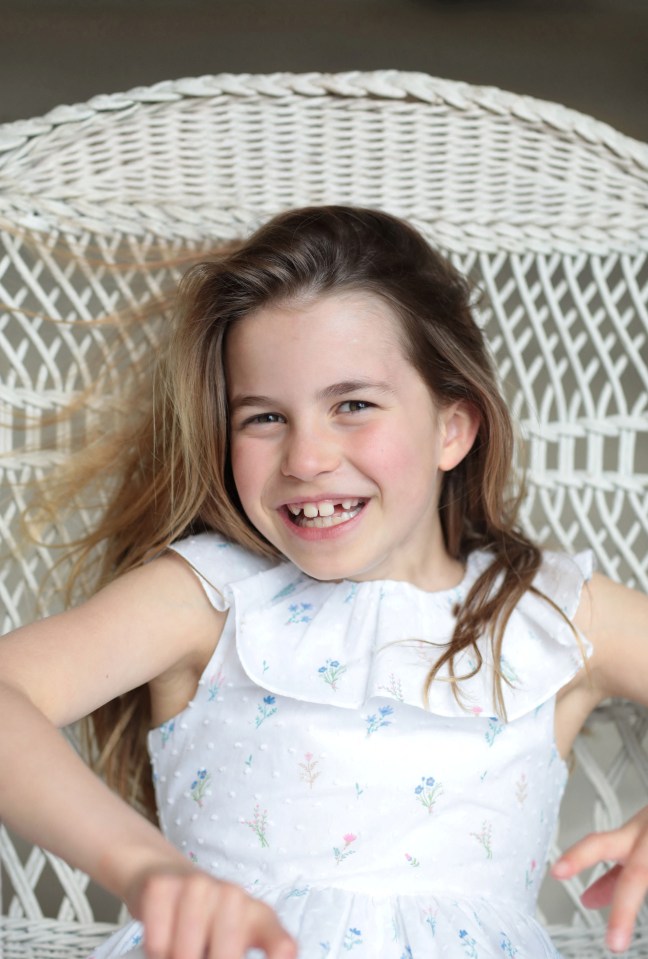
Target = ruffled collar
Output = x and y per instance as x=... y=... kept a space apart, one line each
x=346 y=643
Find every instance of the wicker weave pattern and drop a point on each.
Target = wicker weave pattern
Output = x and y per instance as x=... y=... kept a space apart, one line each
x=547 y=210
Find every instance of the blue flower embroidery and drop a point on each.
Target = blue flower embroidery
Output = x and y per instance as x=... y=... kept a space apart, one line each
x=200 y=785
x=351 y=594
x=428 y=791
x=298 y=892
x=468 y=944
x=286 y=591
x=376 y=721
x=495 y=727
x=166 y=731
x=507 y=947
x=353 y=937
x=299 y=613
x=331 y=672
x=215 y=684
x=265 y=709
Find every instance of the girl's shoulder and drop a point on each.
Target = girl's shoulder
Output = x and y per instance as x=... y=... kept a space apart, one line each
x=219 y=564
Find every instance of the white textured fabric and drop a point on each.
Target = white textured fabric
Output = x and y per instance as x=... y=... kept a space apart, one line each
x=308 y=769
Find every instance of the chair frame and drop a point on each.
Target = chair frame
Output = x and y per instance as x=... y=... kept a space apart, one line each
x=546 y=208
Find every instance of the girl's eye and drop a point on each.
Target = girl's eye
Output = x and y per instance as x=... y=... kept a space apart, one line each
x=354 y=406
x=261 y=418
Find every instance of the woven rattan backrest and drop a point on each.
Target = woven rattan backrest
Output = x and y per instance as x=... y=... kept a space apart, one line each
x=545 y=209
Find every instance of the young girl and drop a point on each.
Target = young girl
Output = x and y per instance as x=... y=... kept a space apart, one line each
x=318 y=605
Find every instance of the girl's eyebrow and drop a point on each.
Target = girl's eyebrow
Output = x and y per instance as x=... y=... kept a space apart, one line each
x=353 y=386
x=329 y=392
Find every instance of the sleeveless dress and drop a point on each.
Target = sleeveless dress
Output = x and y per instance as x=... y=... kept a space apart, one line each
x=309 y=769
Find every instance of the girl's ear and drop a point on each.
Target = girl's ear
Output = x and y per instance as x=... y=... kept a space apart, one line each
x=459 y=423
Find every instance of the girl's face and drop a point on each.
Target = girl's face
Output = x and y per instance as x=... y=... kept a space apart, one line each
x=337 y=446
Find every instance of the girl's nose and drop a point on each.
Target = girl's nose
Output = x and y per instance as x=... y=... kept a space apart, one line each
x=308 y=453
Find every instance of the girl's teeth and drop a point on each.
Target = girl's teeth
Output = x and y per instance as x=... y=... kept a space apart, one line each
x=323 y=510
x=311 y=510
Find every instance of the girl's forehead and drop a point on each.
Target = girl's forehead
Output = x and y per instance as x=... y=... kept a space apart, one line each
x=350 y=310
x=339 y=335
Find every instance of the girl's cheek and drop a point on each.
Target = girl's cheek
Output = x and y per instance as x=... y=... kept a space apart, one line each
x=242 y=468
x=250 y=468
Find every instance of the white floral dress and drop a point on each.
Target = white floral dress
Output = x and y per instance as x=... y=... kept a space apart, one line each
x=309 y=770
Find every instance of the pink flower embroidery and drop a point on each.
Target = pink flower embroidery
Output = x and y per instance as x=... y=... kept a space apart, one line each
x=341 y=854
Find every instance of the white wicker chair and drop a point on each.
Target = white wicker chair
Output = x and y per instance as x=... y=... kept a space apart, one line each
x=545 y=208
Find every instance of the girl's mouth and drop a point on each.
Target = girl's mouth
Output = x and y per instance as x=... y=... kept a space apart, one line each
x=324 y=514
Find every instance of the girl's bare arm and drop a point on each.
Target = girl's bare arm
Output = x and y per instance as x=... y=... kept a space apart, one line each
x=151 y=621
x=616 y=620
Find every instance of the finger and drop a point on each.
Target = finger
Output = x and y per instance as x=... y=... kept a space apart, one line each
x=230 y=930
x=271 y=936
x=612 y=846
x=629 y=894
x=600 y=893
x=157 y=913
x=191 y=924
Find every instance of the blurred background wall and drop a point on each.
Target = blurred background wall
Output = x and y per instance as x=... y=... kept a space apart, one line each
x=591 y=55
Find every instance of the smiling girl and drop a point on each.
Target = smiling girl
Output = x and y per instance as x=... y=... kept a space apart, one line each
x=320 y=619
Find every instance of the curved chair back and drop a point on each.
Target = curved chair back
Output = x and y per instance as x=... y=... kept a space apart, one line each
x=545 y=209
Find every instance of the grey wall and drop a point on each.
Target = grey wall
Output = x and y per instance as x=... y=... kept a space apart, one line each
x=587 y=54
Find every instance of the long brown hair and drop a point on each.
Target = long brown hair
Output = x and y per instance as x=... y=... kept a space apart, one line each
x=172 y=461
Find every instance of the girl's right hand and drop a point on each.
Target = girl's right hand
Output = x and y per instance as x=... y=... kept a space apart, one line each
x=190 y=915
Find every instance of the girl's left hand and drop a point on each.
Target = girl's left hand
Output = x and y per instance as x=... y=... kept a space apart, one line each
x=624 y=886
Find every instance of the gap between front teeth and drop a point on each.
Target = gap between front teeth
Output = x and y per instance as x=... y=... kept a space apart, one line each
x=324 y=509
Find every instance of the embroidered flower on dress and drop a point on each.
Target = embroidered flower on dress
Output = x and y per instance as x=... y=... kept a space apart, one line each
x=352 y=937
x=298 y=892
x=344 y=852
x=508 y=671
x=308 y=773
x=468 y=944
x=429 y=917
x=215 y=685
x=495 y=727
x=331 y=672
x=530 y=874
x=200 y=785
x=485 y=837
x=166 y=731
x=377 y=720
x=350 y=596
x=259 y=824
x=428 y=792
x=299 y=613
x=286 y=591
x=394 y=687
x=507 y=946
x=265 y=709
